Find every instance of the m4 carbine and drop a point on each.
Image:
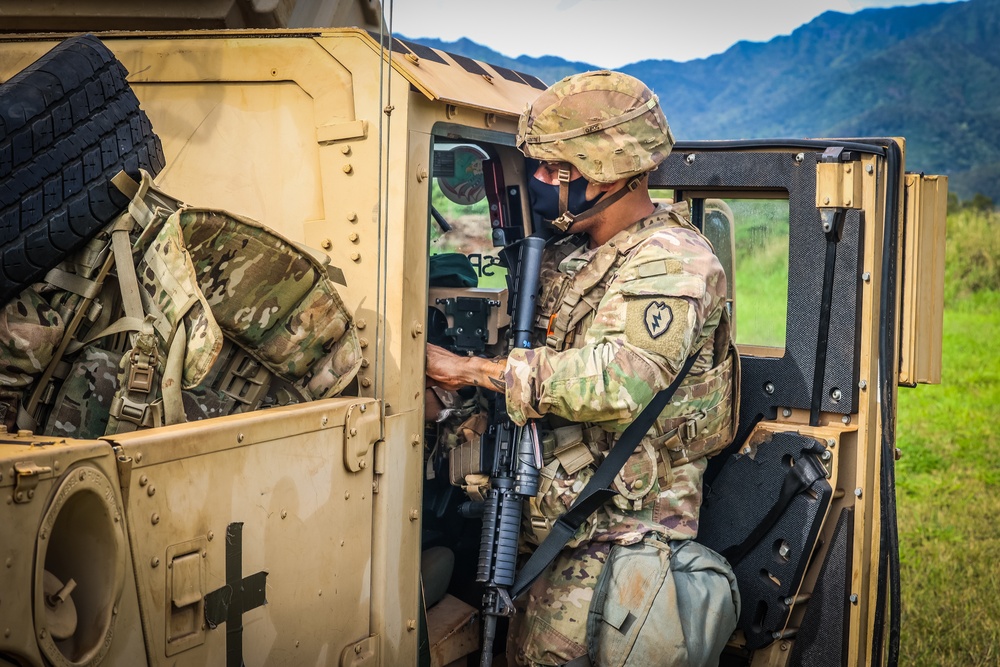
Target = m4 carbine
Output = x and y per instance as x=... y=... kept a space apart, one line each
x=516 y=455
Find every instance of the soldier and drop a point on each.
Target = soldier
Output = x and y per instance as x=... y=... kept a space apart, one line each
x=629 y=290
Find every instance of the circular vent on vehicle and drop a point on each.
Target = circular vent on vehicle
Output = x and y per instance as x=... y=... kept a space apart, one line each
x=79 y=569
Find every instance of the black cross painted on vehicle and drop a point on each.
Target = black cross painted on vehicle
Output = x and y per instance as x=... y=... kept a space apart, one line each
x=239 y=595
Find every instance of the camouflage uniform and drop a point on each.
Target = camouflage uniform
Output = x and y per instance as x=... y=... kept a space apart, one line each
x=615 y=325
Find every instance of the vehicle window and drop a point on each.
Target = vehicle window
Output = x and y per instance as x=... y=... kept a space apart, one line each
x=460 y=211
x=760 y=228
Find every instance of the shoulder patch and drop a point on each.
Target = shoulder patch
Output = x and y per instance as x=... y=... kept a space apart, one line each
x=658 y=317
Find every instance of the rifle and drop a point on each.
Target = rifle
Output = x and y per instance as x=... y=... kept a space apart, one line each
x=516 y=455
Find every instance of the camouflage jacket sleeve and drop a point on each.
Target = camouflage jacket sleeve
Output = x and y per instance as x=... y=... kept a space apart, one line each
x=652 y=316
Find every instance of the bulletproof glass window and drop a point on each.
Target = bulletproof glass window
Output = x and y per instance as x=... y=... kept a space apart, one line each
x=760 y=266
x=460 y=210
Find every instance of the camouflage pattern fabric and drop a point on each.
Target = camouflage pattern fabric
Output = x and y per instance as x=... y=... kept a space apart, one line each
x=82 y=405
x=617 y=322
x=273 y=299
x=30 y=331
x=607 y=124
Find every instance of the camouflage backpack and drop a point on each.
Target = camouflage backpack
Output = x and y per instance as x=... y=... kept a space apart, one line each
x=206 y=313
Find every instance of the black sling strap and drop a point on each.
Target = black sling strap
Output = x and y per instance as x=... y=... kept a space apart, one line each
x=598 y=490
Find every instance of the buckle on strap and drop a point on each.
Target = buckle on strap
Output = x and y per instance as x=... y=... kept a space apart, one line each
x=692 y=427
x=147 y=415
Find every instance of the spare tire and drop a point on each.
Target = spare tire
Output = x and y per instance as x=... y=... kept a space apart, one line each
x=68 y=123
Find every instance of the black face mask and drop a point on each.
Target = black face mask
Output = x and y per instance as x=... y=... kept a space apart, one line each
x=544 y=200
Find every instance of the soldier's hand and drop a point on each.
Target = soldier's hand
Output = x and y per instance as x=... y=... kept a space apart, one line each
x=451 y=371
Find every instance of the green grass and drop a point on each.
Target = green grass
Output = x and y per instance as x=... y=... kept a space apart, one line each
x=948 y=481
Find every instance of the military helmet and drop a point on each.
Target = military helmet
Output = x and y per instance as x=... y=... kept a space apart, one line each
x=607 y=124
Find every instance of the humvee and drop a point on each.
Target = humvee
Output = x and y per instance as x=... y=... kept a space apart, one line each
x=299 y=534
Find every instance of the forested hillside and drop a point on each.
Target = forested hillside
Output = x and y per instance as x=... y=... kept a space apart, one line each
x=930 y=73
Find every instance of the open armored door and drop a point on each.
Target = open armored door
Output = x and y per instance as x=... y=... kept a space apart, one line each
x=802 y=502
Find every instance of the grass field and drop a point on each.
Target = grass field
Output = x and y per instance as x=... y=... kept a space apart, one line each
x=948 y=480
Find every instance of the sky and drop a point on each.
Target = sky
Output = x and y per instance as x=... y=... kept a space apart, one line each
x=612 y=33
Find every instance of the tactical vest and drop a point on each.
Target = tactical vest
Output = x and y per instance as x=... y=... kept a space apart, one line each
x=175 y=313
x=700 y=420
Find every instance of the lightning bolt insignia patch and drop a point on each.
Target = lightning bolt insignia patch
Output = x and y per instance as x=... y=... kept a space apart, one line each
x=658 y=318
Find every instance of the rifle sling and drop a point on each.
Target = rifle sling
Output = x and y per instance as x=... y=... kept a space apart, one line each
x=598 y=490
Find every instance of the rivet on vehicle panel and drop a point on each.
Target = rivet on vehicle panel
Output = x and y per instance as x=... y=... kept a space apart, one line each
x=83 y=475
x=363 y=464
x=898 y=454
x=347 y=495
x=361 y=324
x=858 y=492
x=355 y=256
x=364 y=408
x=826 y=456
x=151 y=490
x=43 y=634
x=414 y=515
x=155 y=518
x=411 y=625
x=274 y=72
x=343 y=542
x=847 y=169
x=154 y=561
x=421 y=175
x=417 y=329
x=55 y=465
x=830 y=442
x=138 y=457
x=239 y=437
x=847 y=202
x=366 y=382
x=348 y=168
x=353 y=237
x=826 y=200
x=799 y=157
x=357 y=648
x=866 y=276
x=346 y=150
x=363 y=343
x=143 y=481
x=870 y=169
x=31 y=492
x=296 y=643
x=284 y=514
x=114 y=610
x=769 y=387
x=326 y=244
x=783 y=646
x=211 y=536
x=352 y=216
x=354 y=431
x=6 y=632
x=320 y=593
x=364 y=363
x=18 y=495
x=204 y=553
x=10 y=562
x=846 y=419
x=414 y=440
x=835 y=394
x=746 y=450
x=854 y=598
x=43 y=535
x=785 y=412
x=689 y=158
x=324 y=421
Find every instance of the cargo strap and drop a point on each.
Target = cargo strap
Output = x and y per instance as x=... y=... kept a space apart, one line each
x=598 y=490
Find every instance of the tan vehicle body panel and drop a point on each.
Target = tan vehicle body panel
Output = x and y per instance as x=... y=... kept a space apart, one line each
x=327 y=139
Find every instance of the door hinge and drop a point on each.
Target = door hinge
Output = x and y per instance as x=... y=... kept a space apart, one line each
x=362 y=428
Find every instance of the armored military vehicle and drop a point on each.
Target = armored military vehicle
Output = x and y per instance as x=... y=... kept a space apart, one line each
x=295 y=533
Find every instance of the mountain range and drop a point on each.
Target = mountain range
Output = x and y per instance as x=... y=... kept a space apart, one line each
x=929 y=73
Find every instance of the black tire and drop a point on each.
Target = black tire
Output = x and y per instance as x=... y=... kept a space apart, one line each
x=68 y=123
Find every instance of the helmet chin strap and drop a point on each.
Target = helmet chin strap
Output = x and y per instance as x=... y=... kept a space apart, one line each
x=566 y=219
